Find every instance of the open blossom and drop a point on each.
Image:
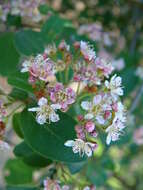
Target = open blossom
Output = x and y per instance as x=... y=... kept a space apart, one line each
x=45 y=111
x=115 y=86
x=97 y=108
x=103 y=66
x=117 y=126
x=39 y=67
x=62 y=96
x=87 y=51
x=81 y=147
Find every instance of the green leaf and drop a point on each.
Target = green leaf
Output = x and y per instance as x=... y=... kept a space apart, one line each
x=17 y=125
x=20 y=81
x=18 y=94
x=48 y=140
x=31 y=158
x=9 y=57
x=16 y=172
x=29 y=42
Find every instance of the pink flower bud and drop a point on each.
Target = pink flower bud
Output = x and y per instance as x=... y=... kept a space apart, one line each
x=107 y=114
x=44 y=56
x=94 y=134
x=115 y=107
x=79 y=128
x=81 y=135
x=77 y=78
x=80 y=117
x=95 y=146
x=89 y=126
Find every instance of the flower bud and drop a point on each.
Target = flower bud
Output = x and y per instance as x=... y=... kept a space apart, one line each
x=89 y=126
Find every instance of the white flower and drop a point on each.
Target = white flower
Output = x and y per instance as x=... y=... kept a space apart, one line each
x=114 y=131
x=81 y=147
x=4 y=145
x=86 y=105
x=45 y=111
x=120 y=114
x=87 y=51
x=115 y=86
x=95 y=109
x=25 y=66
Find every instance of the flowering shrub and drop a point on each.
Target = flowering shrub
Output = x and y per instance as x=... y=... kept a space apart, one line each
x=68 y=91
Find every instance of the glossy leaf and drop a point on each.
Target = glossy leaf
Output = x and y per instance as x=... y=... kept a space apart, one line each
x=31 y=158
x=48 y=140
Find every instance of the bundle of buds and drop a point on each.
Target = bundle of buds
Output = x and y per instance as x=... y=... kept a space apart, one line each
x=23 y=8
x=104 y=110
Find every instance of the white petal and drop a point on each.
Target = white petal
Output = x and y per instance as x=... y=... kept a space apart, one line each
x=100 y=119
x=41 y=119
x=36 y=109
x=86 y=105
x=107 y=84
x=54 y=117
x=42 y=101
x=56 y=106
x=69 y=143
x=97 y=99
x=89 y=116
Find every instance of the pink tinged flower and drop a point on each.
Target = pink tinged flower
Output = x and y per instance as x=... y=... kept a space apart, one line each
x=114 y=131
x=62 y=96
x=81 y=135
x=4 y=145
x=115 y=87
x=87 y=51
x=45 y=111
x=105 y=67
x=89 y=126
x=79 y=128
x=81 y=147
